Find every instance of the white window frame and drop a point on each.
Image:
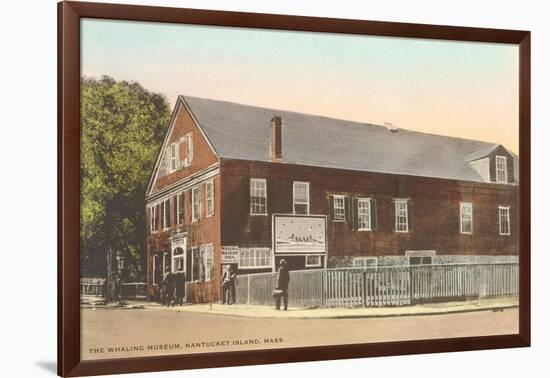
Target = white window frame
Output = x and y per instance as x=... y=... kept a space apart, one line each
x=189 y=139
x=210 y=198
x=178 y=256
x=179 y=208
x=365 y=262
x=164 y=214
x=398 y=202
x=174 y=157
x=155 y=257
x=253 y=181
x=368 y=214
x=153 y=220
x=207 y=254
x=254 y=258
x=196 y=217
x=337 y=197
x=164 y=265
x=294 y=202
x=315 y=265
x=464 y=205
x=204 y=251
x=502 y=169
x=507 y=209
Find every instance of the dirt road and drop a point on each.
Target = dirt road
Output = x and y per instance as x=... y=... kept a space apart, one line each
x=113 y=333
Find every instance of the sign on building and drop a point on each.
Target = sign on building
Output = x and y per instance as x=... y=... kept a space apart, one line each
x=299 y=234
x=230 y=254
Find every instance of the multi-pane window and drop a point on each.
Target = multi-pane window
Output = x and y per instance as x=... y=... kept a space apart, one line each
x=196 y=201
x=196 y=264
x=252 y=258
x=165 y=264
x=166 y=214
x=313 y=261
x=401 y=216
x=301 y=197
x=365 y=262
x=258 y=196
x=420 y=260
x=179 y=206
x=178 y=260
x=202 y=263
x=209 y=198
x=208 y=257
x=363 y=214
x=339 y=208
x=501 y=171
x=504 y=220
x=466 y=218
x=154 y=218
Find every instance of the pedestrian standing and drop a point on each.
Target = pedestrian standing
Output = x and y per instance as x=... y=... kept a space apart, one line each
x=180 y=287
x=225 y=285
x=233 y=282
x=283 y=278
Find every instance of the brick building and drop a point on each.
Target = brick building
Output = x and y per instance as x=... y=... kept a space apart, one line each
x=243 y=185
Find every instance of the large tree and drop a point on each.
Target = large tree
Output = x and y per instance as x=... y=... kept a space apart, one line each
x=122 y=127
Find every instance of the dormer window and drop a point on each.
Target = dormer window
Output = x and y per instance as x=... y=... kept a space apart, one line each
x=501 y=169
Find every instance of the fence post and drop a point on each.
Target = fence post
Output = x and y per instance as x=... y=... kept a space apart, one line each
x=248 y=290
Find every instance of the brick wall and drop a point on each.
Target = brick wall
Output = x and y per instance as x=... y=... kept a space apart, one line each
x=435 y=210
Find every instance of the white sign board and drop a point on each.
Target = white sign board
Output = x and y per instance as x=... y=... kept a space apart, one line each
x=230 y=254
x=299 y=234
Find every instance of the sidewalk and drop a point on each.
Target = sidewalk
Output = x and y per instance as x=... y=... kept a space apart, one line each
x=255 y=311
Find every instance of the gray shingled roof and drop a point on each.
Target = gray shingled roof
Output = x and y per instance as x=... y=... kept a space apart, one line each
x=243 y=132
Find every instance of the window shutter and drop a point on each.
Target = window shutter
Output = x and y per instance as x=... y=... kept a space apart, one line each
x=183 y=149
x=347 y=205
x=373 y=218
x=354 y=214
x=169 y=213
x=393 y=215
x=163 y=164
x=157 y=217
x=492 y=168
x=175 y=202
x=190 y=148
x=409 y=215
x=510 y=168
x=183 y=212
x=331 y=207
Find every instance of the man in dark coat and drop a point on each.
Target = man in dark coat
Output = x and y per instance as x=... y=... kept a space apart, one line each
x=233 y=282
x=180 y=287
x=168 y=288
x=283 y=278
x=226 y=278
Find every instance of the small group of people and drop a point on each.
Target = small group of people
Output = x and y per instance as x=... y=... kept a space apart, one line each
x=172 y=290
x=229 y=286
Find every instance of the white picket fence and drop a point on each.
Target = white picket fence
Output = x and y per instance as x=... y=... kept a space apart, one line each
x=95 y=287
x=384 y=286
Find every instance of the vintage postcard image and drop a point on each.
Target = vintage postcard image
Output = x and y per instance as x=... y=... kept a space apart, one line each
x=260 y=189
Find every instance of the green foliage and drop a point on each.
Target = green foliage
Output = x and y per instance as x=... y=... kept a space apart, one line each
x=122 y=127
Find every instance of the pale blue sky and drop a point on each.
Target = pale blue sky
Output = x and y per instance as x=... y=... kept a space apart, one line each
x=453 y=88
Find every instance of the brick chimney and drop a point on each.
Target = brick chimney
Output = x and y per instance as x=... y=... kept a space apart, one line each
x=276 y=138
